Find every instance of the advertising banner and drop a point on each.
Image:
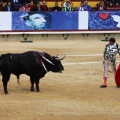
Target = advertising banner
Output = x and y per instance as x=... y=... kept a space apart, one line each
x=104 y=20
x=45 y=21
x=60 y=21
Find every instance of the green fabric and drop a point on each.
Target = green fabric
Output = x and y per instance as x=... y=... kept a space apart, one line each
x=65 y=9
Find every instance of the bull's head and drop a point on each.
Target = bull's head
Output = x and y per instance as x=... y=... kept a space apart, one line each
x=58 y=67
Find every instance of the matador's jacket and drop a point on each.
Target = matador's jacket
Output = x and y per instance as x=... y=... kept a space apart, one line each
x=111 y=51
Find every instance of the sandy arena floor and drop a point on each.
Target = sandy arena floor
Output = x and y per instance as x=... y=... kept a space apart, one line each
x=73 y=95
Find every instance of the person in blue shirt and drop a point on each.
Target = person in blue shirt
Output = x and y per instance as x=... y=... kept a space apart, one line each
x=86 y=6
x=81 y=8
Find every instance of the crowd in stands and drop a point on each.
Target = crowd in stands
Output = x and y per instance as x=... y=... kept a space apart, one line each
x=26 y=5
x=112 y=2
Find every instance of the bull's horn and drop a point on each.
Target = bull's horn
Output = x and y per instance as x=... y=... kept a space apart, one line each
x=60 y=58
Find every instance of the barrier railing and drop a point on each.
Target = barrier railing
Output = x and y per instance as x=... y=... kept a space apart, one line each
x=60 y=22
x=59 y=32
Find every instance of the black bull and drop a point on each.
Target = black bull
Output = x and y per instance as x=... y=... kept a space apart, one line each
x=33 y=64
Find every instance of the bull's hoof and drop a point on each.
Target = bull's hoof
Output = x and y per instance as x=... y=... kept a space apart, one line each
x=32 y=89
x=38 y=90
x=6 y=92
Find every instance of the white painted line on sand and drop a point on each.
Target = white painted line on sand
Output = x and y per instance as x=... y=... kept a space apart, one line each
x=70 y=63
x=84 y=63
x=81 y=63
x=87 y=55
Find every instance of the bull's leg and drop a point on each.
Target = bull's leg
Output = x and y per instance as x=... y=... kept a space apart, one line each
x=32 y=83
x=5 y=79
x=37 y=85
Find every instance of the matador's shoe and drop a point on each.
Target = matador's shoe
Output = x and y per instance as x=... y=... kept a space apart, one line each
x=103 y=86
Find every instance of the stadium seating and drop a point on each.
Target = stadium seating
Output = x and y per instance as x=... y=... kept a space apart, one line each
x=75 y=3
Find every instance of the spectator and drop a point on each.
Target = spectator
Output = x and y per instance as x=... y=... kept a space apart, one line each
x=16 y=4
x=44 y=6
x=25 y=1
x=36 y=1
x=101 y=6
x=56 y=7
x=86 y=6
x=15 y=1
x=25 y=7
x=1 y=5
x=67 y=6
x=38 y=8
x=81 y=8
x=7 y=7
x=110 y=3
x=117 y=2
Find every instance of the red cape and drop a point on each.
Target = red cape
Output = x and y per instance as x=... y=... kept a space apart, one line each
x=117 y=76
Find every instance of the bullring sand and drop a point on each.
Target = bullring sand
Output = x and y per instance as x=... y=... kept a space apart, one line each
x=74 y=94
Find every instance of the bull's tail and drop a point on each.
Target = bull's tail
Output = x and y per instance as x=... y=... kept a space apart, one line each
x=18 y=78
